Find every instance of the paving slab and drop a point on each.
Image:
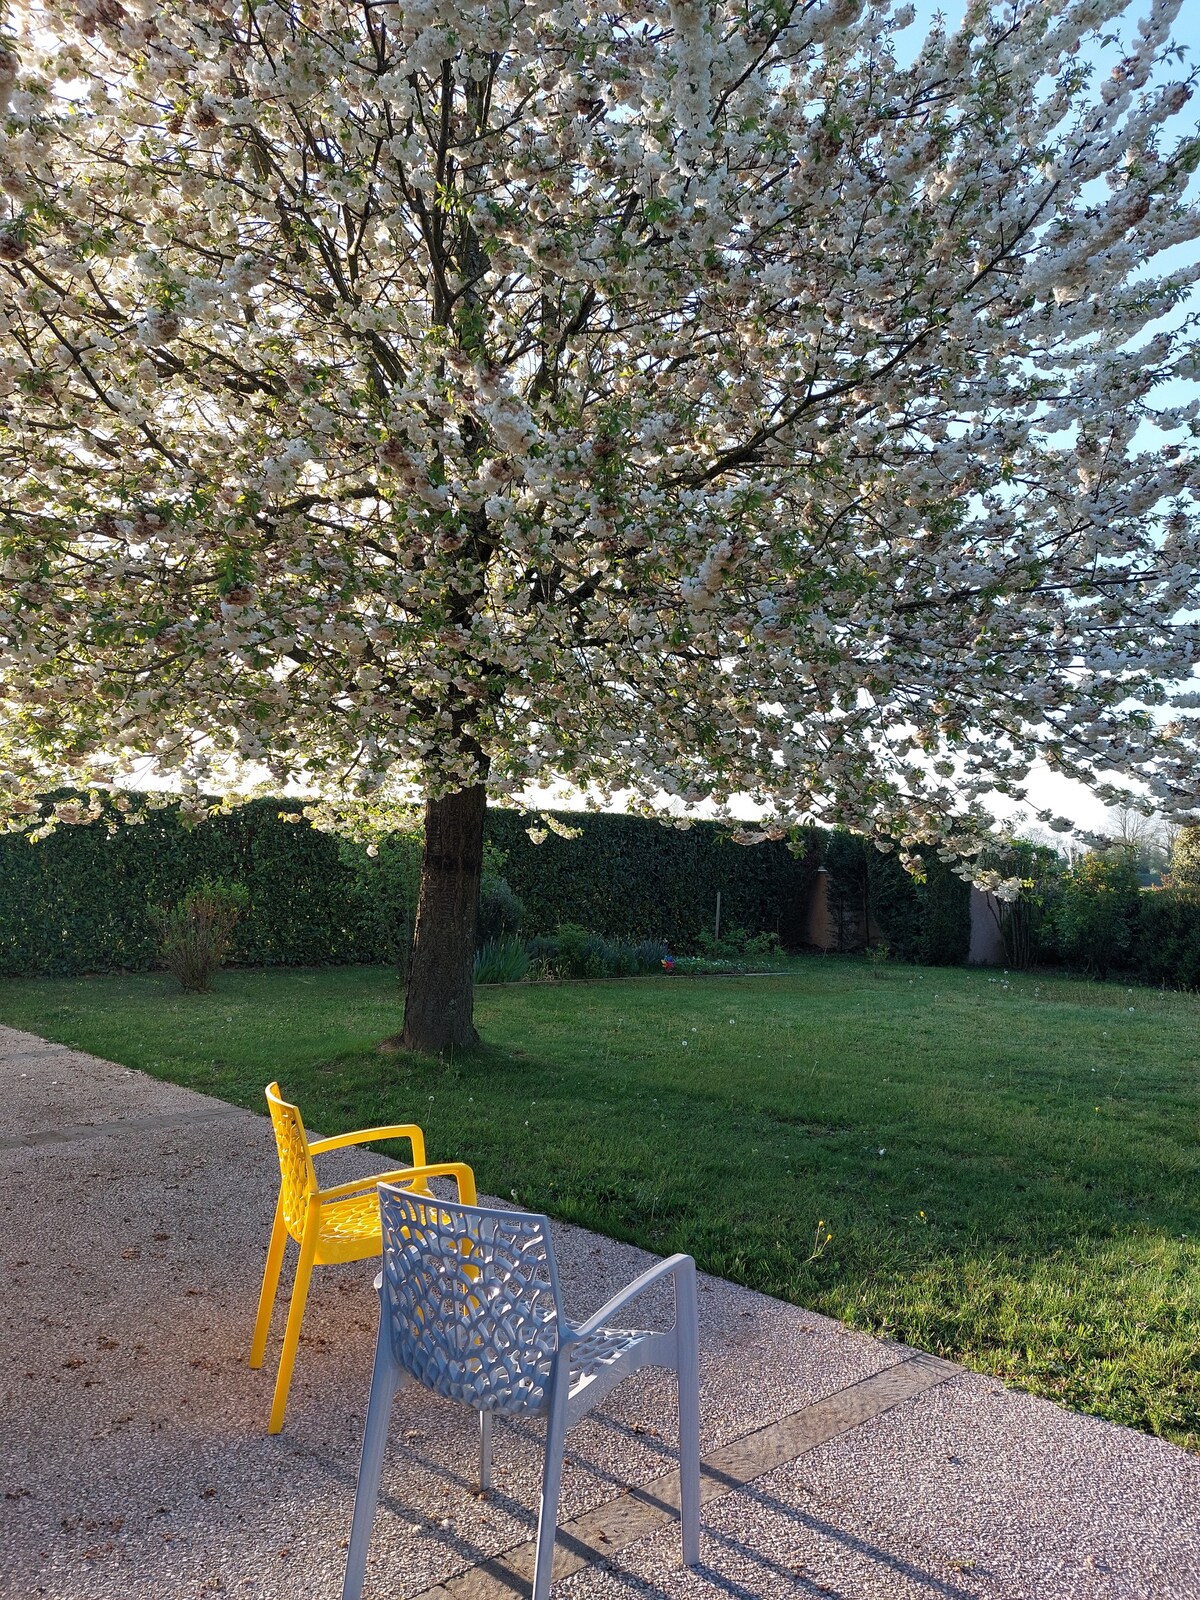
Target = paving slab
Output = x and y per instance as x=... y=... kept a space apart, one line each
x=134 y=1460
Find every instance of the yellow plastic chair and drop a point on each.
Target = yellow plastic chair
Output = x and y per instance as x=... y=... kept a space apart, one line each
x=329 y=1225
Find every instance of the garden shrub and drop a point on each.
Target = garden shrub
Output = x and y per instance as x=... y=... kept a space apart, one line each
x=1185 y=859
x=575 y=952
x=1168 y=946
x=501 y=912
x=736 y=944
x=649 y=954
x=196 y=933
x=580 y=954
x=1098 y=915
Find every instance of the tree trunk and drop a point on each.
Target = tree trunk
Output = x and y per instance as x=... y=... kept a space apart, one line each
x=438 y=1005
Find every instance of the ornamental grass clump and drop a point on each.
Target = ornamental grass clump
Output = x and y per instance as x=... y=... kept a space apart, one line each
x=502 y=960
x=196 y=933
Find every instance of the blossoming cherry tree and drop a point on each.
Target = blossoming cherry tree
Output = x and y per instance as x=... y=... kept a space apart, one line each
x=682 y=399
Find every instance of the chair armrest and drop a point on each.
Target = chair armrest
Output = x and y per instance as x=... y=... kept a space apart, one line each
x=670 y=1268
x=405 y=1130
x=405 y=1176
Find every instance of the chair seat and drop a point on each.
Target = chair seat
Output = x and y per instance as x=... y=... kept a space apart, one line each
x=599 y=1362
x=603 y=1347
x=349 y=1229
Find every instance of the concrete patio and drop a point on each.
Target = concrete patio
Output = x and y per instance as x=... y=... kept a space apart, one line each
x=134 y=1460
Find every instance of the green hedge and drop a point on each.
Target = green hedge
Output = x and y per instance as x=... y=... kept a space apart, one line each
x=632 y=879
x=1168 y=946
x=79 y=900
x=870 y=892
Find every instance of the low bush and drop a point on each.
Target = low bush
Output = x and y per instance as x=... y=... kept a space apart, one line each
x=649 y=954
x=501 y=911
x=637 y=960
x=502 y=960
x=1185 y=859
x=574 y=952
x=737 y=945
x=196 y=933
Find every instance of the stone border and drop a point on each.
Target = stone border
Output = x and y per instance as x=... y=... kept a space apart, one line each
x=600 y=1533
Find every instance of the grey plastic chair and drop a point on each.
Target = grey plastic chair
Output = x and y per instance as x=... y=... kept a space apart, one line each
x=470 y=1307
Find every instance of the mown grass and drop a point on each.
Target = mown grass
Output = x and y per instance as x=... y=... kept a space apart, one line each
x=1008 y=1167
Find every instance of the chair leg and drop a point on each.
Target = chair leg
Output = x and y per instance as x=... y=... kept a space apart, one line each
x=270 y=1285
x=291 y=1337
x=556 y=1433
x=385 y=1380
x=687 y=1372
x=485 y=1451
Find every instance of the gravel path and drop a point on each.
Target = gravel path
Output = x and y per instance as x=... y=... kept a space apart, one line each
x=134 y=1461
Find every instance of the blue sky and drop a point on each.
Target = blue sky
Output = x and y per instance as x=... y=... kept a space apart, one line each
x=1186 y=29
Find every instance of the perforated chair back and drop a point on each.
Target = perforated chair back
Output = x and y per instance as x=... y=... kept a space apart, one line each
x=298 y=1176
x=470 y=1307
x=472 y=1300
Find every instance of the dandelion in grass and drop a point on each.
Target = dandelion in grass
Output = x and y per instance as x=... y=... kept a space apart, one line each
x=821 y=1240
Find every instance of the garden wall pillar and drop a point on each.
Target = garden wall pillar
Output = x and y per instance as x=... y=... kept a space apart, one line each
x=987 y=945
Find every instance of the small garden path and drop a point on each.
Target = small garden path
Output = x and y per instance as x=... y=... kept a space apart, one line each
x=134 y=1458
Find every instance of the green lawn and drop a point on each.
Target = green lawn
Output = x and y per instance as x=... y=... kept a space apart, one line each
x=1009 y=1167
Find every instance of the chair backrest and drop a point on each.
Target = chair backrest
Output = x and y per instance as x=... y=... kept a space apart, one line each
x=298 y=1176
x=472 y=1298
